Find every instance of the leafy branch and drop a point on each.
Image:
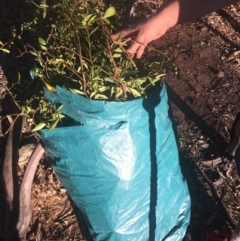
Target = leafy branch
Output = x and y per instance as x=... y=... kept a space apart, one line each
x=104 y=70
x=72 y=47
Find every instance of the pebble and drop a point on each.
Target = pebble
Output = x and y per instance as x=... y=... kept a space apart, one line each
x=221 y=74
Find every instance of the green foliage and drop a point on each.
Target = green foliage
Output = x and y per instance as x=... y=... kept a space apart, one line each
x=42 y=113
x=70 y=45
x=2 y=48
x=75 y=51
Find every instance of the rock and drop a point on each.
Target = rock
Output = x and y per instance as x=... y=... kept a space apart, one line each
x=221 y=74
x=204 y=29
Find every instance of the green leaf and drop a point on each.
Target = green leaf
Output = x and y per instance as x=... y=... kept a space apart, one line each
x=61 y=116
x=44 y=109
x=74 y=80
x=220 y=174
x=5 y=51
x=77 y=91
x=53 y=119
x=41 y=41
x=85 y=65
x=94 y=30
x=39 y=126
x=111 y=80
x=43 y=5
x=109 y=12
x=44 y=13
x=106 y=21
x=117 y=55
x=53 y=126
x=79 y=69
x=97 y=78
x=33 y=53
x=88 y=19
x=92 y=19
x=28 y=109
x=134 y=92
x=60 y=107
x=43 y=47
x=100 y=97
x=23 y=109
x=59 y=60
x=103 y=88
x=92 y=94
x=119 y=92
x=159 y=76
x=118 y=50
x=112 y=91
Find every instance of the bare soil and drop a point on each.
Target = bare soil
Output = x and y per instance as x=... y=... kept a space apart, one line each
x=204 y=94
x=203 y=80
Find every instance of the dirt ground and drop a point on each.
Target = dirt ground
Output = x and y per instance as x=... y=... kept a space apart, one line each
x=204 y=94
x=203 y=82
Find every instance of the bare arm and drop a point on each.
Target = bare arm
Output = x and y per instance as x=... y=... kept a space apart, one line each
x=175 y=12
x=187 y=10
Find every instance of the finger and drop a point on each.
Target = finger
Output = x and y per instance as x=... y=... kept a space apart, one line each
x=133 y=48
x=140 y=51
x=125 y=32
x=115 y=36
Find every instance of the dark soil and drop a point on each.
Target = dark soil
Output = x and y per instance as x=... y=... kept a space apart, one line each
x=204 y=92
x=203 y=80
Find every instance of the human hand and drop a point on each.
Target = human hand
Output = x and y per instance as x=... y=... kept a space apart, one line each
x=142 y=34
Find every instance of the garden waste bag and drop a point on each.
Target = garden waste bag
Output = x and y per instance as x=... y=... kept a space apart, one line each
x=120 y=166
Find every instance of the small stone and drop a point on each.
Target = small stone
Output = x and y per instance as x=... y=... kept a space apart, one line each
x=205 y=146
x=204 y=29
x=221 y=74
x=62 y=191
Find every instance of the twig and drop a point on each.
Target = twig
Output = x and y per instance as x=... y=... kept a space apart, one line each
x=124 y=50
x=37 y=4
x=116 y=70
x=81 y=63
x=3 y=45
x=12 y=122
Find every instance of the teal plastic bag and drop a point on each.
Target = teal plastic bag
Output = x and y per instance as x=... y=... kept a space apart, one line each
x=121 y=167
